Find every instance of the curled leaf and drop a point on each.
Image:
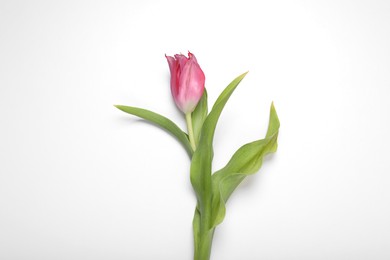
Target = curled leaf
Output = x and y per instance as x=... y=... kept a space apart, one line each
x=246 y=160
x=203 y=155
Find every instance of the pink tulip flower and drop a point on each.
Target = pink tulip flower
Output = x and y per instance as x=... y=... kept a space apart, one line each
x=187 y=81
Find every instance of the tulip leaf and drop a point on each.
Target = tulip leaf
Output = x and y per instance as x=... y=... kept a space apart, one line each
x=160 y=121
x=199 y=115
x=246 y=161
x=202 y=158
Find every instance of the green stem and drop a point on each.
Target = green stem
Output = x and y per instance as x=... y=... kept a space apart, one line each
x=190 y=130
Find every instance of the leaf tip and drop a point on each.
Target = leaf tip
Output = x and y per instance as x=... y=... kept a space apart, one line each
x=274 y=114
x=242 y=76
x=121 y=107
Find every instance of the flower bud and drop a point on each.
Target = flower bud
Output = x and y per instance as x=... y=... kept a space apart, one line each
x=187 y=81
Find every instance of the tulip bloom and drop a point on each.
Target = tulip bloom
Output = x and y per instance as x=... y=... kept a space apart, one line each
x=187 y=81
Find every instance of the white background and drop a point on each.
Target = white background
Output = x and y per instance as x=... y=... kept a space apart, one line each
x=80 y=179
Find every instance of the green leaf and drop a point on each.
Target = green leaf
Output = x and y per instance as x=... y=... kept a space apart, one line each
x=246 y=161
x=160 y=121
x=198 y=116
x=203 y=156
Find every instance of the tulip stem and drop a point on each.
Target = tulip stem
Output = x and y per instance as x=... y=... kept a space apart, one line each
x=190 y=130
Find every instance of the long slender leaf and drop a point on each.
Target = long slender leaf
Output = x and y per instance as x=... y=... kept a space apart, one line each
x=246 y=161
x=198 y=116
x=162 y=122
x=203 y=155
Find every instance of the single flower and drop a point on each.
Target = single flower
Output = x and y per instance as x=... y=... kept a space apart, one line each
x=187 y=81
